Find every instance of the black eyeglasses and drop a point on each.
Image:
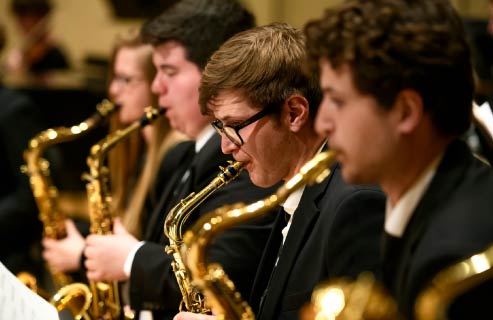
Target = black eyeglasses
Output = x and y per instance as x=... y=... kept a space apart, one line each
x=232 y=132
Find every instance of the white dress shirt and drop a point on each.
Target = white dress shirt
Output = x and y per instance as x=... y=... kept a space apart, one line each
x=397 y=217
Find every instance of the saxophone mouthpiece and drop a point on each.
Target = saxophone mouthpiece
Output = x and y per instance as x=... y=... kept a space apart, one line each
x=105 y=107
x=150 y=114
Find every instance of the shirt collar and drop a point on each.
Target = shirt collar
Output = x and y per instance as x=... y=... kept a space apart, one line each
x=293 y=200
x=397 y=217
x=203 y=137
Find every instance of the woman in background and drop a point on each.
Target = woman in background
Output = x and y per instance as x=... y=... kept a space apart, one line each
x=134 y=162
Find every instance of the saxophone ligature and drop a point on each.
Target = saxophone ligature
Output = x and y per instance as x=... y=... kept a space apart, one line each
x=218 y=289
x=103 y=302
x=452 y=282
x=192 y=299
x=44 y=191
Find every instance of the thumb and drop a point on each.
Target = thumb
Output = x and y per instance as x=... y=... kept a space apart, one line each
x=118 y=227
x=70 y=226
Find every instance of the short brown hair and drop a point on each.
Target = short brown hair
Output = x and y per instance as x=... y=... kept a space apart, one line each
x=265 y=63
x=392 y=45
x=200 y=26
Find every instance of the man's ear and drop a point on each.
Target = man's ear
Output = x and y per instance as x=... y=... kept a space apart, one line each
x=298 y=111
x=408 y=110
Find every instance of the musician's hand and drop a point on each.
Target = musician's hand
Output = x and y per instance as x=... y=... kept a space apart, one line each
x=64 y=255
x=106 y=255
x=193 y=316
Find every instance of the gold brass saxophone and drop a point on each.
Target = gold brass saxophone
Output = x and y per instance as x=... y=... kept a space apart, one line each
x=30 y=281
x=193 y=300
x=104 y=300
x=344 y=299
x=455 y=280
x=38 y=170
x=364 y=299
x=211 y=279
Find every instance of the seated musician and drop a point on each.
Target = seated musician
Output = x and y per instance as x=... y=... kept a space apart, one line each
x=398 y=87
x=183 y=38
x=265 y=107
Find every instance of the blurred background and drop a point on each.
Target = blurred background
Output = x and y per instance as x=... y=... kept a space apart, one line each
x=85 y=32
x=87 y=28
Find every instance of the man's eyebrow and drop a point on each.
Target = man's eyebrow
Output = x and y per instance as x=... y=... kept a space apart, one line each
x=167 y=66
x=328 y=89
x=225 y=118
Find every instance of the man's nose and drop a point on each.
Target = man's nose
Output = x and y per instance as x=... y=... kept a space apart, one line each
x=227 y=146
x=324 y=122
x=158 y=86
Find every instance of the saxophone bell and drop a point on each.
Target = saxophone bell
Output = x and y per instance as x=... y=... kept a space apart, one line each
x=76 y=298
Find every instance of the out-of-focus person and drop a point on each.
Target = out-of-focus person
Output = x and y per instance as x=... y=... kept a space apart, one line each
x=134 y=162
x=37 y=51
x=20 y=228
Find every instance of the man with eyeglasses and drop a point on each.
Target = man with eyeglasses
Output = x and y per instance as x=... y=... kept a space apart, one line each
x=264 y=107
x=183 y=39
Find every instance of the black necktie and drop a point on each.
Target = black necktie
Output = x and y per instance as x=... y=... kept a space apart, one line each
x=185 y=185
x=175 y=192
x=281 y=224
x=391 y=247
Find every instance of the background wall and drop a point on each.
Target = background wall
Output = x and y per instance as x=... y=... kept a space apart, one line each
x=88 y=27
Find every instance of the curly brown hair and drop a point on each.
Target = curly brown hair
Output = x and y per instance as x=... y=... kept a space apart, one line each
x=391 y=45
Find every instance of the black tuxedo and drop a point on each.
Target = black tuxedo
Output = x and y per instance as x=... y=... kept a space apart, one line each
x=453 y=221
x=152 y=283
x=20 y=227
x=335 y=232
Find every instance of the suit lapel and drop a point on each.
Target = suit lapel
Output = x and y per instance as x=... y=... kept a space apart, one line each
x=304 y=218
x=267 y=262
x=184 y=156
x=207 y=160
x=448 y=176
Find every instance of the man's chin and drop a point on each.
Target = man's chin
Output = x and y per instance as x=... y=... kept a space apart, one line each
x=258 y=180
x=261 y=182
x=352 y=177
x=348 y=176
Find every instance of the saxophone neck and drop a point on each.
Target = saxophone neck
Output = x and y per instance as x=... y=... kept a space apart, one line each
x=99 y=151
x=57 y=135
x=179 y=214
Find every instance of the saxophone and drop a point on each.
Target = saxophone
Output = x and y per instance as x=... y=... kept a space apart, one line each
x=432 y=303
x=45 y=193
x=193 y=300
x=212 y=279
x=103 y=297
x=345 y=299
x=364 y=299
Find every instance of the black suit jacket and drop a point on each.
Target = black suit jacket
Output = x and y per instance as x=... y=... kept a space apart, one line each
x=20 y=227
x=152 y=283
x=335 y=232
x=453 y=221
